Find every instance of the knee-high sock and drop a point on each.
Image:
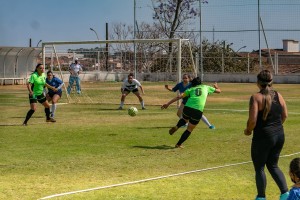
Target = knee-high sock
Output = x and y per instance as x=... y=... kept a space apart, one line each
x=180 y=123
x=184 y=137
x=28 y=116
x=122 y=104
x=47 y=111
x=142 y=104
x=53 y=108
x=205 y=120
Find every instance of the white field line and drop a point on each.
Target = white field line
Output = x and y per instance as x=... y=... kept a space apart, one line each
x=152 y=179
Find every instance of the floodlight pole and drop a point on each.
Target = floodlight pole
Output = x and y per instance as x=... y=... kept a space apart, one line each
x=134 y=36
x=201 y=49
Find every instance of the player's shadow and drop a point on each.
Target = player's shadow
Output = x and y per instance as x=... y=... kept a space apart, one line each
x=160 y=147
x=154 y=127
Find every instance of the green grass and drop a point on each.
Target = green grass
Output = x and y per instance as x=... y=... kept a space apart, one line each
x=93 y=145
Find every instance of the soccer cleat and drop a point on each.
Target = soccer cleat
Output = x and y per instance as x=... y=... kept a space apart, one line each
x=284 y=196
x=173 y=130
x=143 y=108
x=260 y=198
x=212 y=127
x=179 y=146
x=24 y=124
x=120 y=108
x=50 y=120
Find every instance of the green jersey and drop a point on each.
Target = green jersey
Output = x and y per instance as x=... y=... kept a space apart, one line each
x=197 y=96
x=38 y=83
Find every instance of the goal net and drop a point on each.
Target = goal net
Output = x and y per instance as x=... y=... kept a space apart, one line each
x=150 y=60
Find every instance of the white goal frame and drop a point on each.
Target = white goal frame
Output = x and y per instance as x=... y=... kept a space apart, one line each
x=177 y=42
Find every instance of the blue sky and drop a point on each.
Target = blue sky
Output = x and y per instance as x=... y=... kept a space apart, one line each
x=71 y=20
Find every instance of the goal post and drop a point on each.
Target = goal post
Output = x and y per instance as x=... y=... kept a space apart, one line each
x=138 y=56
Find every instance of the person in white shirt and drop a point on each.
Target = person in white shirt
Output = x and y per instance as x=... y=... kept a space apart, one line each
x=131 y=85
x=74 y=69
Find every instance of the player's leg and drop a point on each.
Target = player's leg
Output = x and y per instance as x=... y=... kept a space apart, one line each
x=78 y=85
x=124 y=94
x=71 y=82
x=205 y=120
x=55 y=99
x=193 y=116
x=33 y=102
x=45 y=103
x=137 y=93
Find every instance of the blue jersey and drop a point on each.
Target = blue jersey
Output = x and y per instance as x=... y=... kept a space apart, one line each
x=294 y=194
x=55 y=82
x=181 y=88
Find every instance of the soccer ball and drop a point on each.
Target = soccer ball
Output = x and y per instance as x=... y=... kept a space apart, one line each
x=132 y=111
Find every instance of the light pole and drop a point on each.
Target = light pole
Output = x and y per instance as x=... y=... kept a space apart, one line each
x=94 y=32
x=241 y=48
x=98 y=51
x=38 y=43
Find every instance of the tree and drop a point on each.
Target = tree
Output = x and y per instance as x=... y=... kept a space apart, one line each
x=171 y=16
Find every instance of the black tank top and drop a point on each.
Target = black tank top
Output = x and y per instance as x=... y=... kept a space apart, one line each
x=272 y=125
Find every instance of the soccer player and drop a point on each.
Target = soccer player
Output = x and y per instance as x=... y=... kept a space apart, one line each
x=181 y=87
x=131 y=85
x=53 y=96
x=267 y=113
x=35 y=86
x=193 y=109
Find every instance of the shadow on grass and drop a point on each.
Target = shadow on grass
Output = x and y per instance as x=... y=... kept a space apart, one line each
x=161 y=147
x=154 y=127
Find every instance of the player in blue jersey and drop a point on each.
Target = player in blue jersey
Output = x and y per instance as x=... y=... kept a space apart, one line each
x=294 y=193
x=181 y=87
x=131 y=85
x=53 y=96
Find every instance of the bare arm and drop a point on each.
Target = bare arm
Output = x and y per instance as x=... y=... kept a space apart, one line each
x=253 y=111
x=50 y=87
x=142 y=89
x=167 y=87
x=284 y=113
x=29 y=85
x=165 y=106
x=218 y=90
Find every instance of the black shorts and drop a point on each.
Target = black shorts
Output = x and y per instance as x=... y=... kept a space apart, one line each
x=191 y=114
x=51 y=94
x=134 y=90
x=34 y=99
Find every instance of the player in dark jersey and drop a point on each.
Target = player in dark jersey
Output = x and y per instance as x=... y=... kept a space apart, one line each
x=53 y=96
x=267 y=113
x=35 y=86
x=131 y=85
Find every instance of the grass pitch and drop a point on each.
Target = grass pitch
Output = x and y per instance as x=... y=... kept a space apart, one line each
x=93 y=145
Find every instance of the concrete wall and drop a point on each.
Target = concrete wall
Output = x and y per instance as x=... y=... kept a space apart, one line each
x=230 y=78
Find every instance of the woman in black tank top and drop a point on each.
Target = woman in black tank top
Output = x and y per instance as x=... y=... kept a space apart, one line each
x=267 y=113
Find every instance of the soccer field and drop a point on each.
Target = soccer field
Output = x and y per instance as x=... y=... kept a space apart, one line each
x=95 y=151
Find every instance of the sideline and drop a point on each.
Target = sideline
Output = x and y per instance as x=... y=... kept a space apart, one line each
x=152 y=179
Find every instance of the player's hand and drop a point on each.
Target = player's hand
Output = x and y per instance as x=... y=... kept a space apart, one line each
x=165 y=106
x=246 y=132
x=55 y=89
x=166 y=86
x=216 y=85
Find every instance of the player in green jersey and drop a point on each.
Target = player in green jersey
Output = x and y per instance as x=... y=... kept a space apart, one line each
x=35 y=86
x=194 y=107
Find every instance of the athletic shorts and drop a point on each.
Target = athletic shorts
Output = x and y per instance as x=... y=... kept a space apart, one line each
x=191 y=114
x=134 y=90
x=39 y=98
x=51 y=94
